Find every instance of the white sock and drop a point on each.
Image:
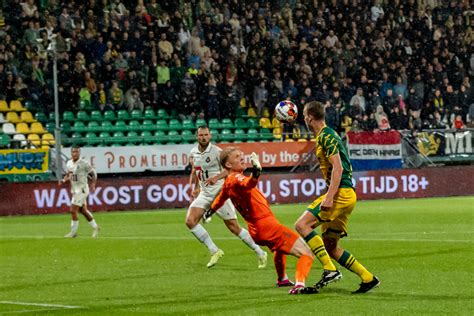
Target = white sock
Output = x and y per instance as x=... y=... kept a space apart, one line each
x=203 y=236
x=93 y=223
x=247 y=239
x=74 y=226
x=299 y=284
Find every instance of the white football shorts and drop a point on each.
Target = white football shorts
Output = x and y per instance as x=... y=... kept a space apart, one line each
x=205 y=199
x=79 y=199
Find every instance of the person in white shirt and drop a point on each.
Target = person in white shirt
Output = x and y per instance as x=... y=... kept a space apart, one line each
x=208 y=177
x=376 y=11
x=79 y=171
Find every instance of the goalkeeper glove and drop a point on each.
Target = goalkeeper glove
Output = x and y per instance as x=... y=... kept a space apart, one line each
x=206 y=217
x=257 y=168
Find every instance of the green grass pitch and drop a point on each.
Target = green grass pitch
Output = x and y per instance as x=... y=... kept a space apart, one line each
x=147 y=262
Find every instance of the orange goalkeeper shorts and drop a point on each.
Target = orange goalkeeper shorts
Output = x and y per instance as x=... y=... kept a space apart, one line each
x=269 y=232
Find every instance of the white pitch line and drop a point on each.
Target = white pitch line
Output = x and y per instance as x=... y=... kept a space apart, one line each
x=39 y=304
x=229 y=238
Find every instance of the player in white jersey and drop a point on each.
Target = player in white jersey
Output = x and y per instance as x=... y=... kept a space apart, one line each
x=208 y=177
x=78 y=173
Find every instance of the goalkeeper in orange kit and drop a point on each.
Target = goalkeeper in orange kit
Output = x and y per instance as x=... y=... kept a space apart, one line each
x=262 y=223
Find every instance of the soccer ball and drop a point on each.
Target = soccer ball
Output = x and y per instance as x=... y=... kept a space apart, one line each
x=286 y=111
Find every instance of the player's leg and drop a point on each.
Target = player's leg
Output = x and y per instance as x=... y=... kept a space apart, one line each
x=303 y=266
x=74 y=222
x=279 y=260
x=193 y=217
x=228 y=214
x=90 y=218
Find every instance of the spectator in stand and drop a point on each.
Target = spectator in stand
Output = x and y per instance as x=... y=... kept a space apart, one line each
x=358 y=99
x=458 y=123
x=260 y=97
x=381 y=118
x=132 y=100
x=115 y=96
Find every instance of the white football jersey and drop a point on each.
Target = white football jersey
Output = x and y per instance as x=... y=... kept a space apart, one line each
x=207 y=163
x=79 y=181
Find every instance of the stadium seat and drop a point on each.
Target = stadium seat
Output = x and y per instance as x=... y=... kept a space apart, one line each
x=252 y=135
x=110 y=115
x=106 y=126
x=174 y=137
x=200 y=122
x=188 y=136
x=92 y=139
x=76 y=139
x=134 y=125
x=34 y=139
x=175 y=124
x=227 y=123
x=65 y=126
x=13 y=117
x=136 y=115
x=120 y=126
x=4 y=106
x=162 y=114
x=265 y=122
x=123 y=115
x=266 y=135
x=251 y=112
x=97 y=116
x=105 y=138
x=15 y=105
x=240 y=123
x=148 y=138
x=93 y=126
x=133 y=138
x=8 y=128
x=50 y=126
x=226 y=136
x=148 y=125
x=21 y=139
x=252 y=123
x=240 y=135
x=266 y=112
x=52 y=117
x=2 y=118
x=48 y=139
x=41 y=117
x=68 y=116
x=83 y=116
x=79 y=126
x=27 y=117
x=162 y=125
x=174 y=113
x=216 y=136
x=160 y=137
x=188 y=125
x=149 y=114
x=240 y=112
x=276 y=123
x=214 y=123
x=85 y=105
x=23 y=128
x=4 y=140
x=277 y=133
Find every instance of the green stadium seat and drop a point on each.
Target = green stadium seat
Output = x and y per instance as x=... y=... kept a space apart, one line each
x=201 y=122
x=65 y=126
x=188 y=136
x=226 y=136
x=110 y=115
x=175 y=124
x=266 y=135
x=214 y=123
x=253 y=123
x=106 y=139
x=93 y=126
x=252 y=135
x=133 y=138
x=162 y=114
x=148 y=138
x=50 y=126
x=76 y=139
x=96 y=116
x=188 y=125
x=51 y=117
x=106 y=126
x=240 y=123
x=215 y=135
x=123 y=115
x=134 y=125
x=83 y=116
x=227 y=123
x=149 y=114
x=174 y=137
x=4 y=140
x=79 y=127
x=162 y=125
x=240 y=113
x=148 y=125
x=174 y=113
x=68 y=116
x=240 y=135
x=136 y=115
x=85 y=105
x=120 y=126
x=41 y=117
x=92 y=139
x=160 y=137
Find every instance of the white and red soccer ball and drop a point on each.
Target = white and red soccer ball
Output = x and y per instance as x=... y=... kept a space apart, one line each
x=286 y=111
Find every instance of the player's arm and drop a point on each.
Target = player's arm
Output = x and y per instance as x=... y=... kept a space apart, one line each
x=92 y=176
x=66 y=178
x=224 y=173
x=336 y=175
x=193 y=180
x=248 y=183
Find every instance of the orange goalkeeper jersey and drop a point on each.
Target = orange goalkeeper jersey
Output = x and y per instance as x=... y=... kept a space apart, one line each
x=246 y=197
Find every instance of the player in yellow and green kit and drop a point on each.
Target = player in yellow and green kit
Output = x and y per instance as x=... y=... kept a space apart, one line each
x=331 y=211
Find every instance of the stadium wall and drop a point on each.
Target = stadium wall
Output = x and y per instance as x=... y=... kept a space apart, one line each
x=172 y=191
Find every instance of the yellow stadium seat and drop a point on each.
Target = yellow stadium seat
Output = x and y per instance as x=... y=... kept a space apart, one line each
x=265 y=123
x=22 y=128
x=12 y=117
x=266 y=112
x=27 y=117
x=276 y=123
x=243 y=103
x=4 y=106
x=302 y=140
x=289 y=140
x=48 y=139
x=251 y=112
x=34 y=139
x=37 y=128
x=15 y=105
x=277 y=133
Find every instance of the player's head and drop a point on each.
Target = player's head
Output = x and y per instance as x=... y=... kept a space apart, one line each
x=313 y=111
x=232 y=159
x=203 y=135
x=75 y=152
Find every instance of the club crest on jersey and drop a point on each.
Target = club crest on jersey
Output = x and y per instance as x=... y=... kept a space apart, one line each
x=208 y=159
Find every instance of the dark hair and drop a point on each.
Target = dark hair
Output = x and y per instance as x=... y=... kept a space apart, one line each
x=75 y=146
x=315 y=109
x=202 y=127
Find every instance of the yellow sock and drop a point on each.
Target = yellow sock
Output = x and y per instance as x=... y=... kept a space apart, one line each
x=317 y=246
x=349 y=262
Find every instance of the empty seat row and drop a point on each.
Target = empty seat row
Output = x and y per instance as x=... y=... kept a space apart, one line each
x=25 y=116
x=15 y=105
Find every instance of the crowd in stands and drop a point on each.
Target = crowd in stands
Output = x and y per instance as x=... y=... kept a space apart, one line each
x=376 y=64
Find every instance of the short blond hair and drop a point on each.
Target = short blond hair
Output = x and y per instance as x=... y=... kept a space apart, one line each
x=225 y=153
